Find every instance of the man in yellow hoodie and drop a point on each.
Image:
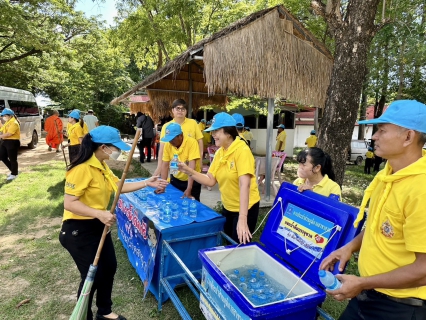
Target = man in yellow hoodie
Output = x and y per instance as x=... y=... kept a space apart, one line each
x=392 y=259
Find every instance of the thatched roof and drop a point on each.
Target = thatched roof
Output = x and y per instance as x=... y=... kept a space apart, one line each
x=261 y=55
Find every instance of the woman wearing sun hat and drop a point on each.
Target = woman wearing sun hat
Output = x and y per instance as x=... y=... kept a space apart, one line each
x=10 y=133
x=233 y=169
x=88 y=188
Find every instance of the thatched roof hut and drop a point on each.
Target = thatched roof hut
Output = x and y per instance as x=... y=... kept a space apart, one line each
x=269 y=54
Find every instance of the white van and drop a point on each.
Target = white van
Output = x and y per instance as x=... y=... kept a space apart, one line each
x=357 y=151
x=25 y=107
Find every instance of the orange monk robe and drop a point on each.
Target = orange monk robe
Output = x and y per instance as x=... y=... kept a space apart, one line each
x=53 y=126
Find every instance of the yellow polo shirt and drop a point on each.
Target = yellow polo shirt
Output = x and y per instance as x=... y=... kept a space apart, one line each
x=75 y=131
x=325 y=187
x=281 y=138
x=248 y=135
x=369 y=155
x=239 y=163
x=11 y=126
x=207 y=138
x=400 y=230
x=311 y=141
x=202 y=126
x=87 y=181
x=189 y=150
x=189 y=128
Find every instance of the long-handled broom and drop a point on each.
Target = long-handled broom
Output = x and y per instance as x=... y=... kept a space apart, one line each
x=80 y=310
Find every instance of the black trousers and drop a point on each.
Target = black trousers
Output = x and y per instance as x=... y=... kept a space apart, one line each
x=81 y=239
x=368 y=164
x=73 y=152
x=9 y=154
x=377 y=163
x=230 y=227
x=372 y=305
x=182 y=185
x=146 y=142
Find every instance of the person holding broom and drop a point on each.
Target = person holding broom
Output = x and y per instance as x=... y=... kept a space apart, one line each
x=88 y=187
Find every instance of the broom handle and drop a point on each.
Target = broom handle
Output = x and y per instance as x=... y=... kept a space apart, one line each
x=60 y=140
x=117 y=196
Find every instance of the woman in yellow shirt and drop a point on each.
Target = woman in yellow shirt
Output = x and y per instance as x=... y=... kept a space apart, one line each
x=316 y=173
x=233 y=169
x=10 y=133
x=76 y=133
x=88 y=187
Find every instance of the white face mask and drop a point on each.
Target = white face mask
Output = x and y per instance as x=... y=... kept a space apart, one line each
x=114 y=154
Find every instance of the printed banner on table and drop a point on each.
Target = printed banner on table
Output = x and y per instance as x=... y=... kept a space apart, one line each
x=133 y=233
x=305 y=229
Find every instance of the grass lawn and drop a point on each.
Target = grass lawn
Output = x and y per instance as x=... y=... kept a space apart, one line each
x=33 y=264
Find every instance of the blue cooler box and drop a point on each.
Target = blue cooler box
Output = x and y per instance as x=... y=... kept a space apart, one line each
x=302 y=229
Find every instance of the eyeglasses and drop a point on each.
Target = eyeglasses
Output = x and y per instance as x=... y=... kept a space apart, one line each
x=180 y=109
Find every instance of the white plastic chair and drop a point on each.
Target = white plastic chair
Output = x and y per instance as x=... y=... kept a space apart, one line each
x=261 y=172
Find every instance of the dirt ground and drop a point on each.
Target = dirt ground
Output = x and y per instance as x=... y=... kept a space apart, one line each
x=30 y=157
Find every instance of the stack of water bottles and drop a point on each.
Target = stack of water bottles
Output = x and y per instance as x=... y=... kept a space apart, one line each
x=257 y=287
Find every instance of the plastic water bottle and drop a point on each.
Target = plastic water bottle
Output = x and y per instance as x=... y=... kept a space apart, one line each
x=328 y=279
x=167 y=213
x=193 y=209
x=175 y=210
x=243 y=285
x=174 y=165
x=144 y=196
x=185 y=207
x=234 y=275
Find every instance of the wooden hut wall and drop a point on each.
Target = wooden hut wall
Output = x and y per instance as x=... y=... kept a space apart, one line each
x=264 y=59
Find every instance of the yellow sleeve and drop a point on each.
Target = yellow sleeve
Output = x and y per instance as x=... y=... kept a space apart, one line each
x=414 y=234
x=194 y=150
x=244 y=161
x=168 y=152
x=335 y=189
x=198 y=133
x=77 y=180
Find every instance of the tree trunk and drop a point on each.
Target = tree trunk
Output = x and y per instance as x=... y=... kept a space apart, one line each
x=353 y=36
x=362 y=111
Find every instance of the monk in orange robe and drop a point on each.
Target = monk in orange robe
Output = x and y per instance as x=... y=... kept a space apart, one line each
x=53 y=126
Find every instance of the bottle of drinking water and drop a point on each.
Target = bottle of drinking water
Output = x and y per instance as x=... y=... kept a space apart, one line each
x=185 y=207
x=193 y=209
x=328 y=279
x=174 y=165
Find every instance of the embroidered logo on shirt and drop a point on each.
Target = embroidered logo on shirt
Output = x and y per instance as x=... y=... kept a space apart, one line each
x=387 y=229
x=231 y=165
x=70 y=185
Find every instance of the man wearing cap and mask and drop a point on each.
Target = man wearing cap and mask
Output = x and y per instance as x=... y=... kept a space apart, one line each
x=281 y=138
x=392 y=259
x=187 y=150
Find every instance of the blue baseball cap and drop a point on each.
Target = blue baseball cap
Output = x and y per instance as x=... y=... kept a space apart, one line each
x=281 y=126
x=209 y=122
x=172 y=131
x=221 y=120
x=107 y=134
x=239 y=119
x=370 y=149
x=409 y=114
x=75 y=114
x=203 y=120
x=7 y=111
x=313 y=132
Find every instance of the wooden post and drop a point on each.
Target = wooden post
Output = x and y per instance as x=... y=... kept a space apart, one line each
x=190 y=91
x=269 y=138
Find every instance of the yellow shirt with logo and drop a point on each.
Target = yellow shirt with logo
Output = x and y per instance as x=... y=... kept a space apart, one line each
x=189 y=128
x=369 y=155
x=227 y=174
x=11 y=126
x=281 y=138
x=393 y=237
x=75 y=131
x=325 y=187
x=311 y=141
x=88 y=182
x=189 y=150
x=207 y=138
